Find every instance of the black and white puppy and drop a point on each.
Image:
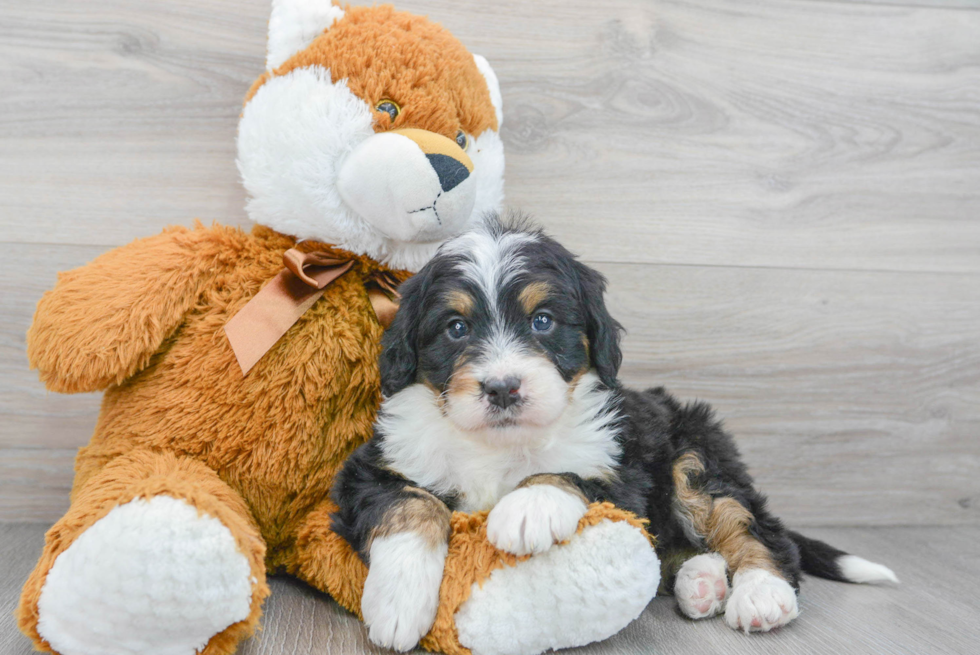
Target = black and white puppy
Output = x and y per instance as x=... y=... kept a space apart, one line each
x=499 y=376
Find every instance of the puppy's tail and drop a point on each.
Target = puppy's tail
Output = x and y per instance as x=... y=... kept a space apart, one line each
x=825 y=561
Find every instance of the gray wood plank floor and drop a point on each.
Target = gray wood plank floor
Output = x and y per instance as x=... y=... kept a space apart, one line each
x=933 y=610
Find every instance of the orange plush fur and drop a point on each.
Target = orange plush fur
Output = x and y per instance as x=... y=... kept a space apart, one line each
x=259 y=452
x=386 y=54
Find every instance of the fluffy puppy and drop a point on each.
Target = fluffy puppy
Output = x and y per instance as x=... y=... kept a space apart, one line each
x=499 y=375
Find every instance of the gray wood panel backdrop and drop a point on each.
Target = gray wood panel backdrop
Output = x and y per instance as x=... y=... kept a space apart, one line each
x=785 y=196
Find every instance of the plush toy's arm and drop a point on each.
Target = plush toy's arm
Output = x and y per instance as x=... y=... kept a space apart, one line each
x=103 y=321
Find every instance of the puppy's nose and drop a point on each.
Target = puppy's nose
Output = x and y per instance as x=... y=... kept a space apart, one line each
x=450 y=171
x=502 y=392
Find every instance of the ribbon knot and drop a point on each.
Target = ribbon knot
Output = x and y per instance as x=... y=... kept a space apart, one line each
x=279 y=304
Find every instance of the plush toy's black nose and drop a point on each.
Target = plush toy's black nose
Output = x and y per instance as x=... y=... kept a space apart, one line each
x=503 y=393
x=450 y=171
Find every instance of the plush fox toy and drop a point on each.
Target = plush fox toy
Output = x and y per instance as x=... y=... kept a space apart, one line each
x=240 y=369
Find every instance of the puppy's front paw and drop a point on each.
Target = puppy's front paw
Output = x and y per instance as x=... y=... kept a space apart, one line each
x=531 y=519
x=701 y=587
x=760 y=601
x=401 y=593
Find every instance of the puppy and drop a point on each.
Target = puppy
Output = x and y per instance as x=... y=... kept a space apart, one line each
x=499 y=376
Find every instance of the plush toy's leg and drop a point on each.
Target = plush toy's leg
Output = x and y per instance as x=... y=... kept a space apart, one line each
x=578 y=592
x=156 y=555
x=327 y=562
x=492 y=602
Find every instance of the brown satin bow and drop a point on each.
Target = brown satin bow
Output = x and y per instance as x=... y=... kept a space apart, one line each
x=280 y=303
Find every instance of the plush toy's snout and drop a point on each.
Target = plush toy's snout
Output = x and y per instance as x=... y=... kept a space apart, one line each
x=410 y=184
x=451 y=162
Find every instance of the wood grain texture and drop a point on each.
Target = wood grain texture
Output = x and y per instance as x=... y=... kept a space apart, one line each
x=118 y=117
x=792 y=134
x=30 y=416
x=784 y=195
x=919 y=617
x=855 y=396
x=35 y=483
x=782 y=133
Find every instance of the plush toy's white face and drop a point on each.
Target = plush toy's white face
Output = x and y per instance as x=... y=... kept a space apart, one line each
x=327 y=153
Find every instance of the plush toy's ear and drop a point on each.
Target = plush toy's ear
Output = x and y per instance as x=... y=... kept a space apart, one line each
x=493 y=85
x=602 y=330
x=399 y=346
x=294 y=24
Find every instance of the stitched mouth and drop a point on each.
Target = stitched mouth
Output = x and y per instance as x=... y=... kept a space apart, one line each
x=432 y=207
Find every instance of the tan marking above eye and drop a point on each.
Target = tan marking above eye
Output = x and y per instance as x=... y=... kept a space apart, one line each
x=533 y=295
x=460 y=302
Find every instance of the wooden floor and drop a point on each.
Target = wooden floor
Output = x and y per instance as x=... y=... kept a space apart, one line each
x=784 y=194
x=933 y=610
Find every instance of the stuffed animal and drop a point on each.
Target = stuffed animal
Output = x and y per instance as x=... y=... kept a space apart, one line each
x=240 y=369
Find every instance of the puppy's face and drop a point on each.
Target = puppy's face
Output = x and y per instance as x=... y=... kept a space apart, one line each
x=500 y=325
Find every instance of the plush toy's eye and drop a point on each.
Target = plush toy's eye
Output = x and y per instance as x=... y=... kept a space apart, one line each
x=461 y=140
x=542 y=323
x=389 y=107
x=457 y=329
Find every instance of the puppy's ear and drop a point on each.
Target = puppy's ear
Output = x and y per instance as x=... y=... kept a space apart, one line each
x=602 y=330
x=399 y=346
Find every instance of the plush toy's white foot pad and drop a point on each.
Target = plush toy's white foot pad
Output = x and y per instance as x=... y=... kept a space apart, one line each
x=760 y=601
x=401 y=593
x=151 y=577
x=701 y=588
x=574 y=594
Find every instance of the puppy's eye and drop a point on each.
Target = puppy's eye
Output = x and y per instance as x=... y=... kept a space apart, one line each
x=461 y=140
x=542 y=323
x=457 y=329
x=389 y=107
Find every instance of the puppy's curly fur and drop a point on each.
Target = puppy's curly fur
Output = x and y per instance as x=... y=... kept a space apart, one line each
x=501 y=393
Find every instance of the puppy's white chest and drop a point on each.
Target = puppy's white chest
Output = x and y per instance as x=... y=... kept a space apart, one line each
x=485 y=480
x=477 y=474
x=479 y=469
x=483 y=497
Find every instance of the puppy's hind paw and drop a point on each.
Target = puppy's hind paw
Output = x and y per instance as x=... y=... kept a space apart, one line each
x=760 y=601
x=701 y=588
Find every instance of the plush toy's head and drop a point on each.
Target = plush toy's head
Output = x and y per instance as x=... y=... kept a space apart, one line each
x=371 y=129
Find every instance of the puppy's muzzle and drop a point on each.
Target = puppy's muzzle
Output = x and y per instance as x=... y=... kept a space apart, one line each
x=502 y=392
x=410 y=184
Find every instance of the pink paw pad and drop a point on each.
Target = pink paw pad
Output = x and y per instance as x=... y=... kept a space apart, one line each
x=701 y=588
